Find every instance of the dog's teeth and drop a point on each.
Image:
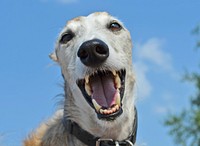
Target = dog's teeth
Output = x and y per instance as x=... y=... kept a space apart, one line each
x=118 y=99
x=96 y=105
x=87 y=79
x=106 y=111
x=113 y=110
x=117 y=107
x=109 y=111
x=88 y=89
x=101 y=111
x=114 y=72
x=117 y=81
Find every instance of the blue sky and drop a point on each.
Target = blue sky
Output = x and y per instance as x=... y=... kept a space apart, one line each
x=30 y=81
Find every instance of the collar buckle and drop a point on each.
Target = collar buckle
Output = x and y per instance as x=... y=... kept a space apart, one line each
x=100 y=140
x=129 y=143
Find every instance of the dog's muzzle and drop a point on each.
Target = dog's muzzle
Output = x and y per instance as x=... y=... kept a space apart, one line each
x=103 y=89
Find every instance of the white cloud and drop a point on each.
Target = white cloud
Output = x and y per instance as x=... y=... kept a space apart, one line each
x=150 y=53
x=142 y=83
x=153 y=52
x=163 y=109
x=168 y=104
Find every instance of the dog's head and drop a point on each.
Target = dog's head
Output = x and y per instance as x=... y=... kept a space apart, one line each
x=95 y=54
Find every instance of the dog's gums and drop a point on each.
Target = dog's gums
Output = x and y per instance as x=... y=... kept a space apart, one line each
x=104 y=91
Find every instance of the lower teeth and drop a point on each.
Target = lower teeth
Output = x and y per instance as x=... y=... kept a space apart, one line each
x=110 y=110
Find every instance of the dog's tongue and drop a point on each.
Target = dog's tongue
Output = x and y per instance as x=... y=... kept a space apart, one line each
x=103 y=90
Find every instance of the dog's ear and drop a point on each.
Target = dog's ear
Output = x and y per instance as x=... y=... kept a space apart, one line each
x=53 y=56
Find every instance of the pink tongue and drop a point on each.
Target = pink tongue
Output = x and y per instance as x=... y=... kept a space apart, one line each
x=103 y=90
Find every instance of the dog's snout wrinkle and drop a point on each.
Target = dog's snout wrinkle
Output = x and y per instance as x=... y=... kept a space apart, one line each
x=93 y=52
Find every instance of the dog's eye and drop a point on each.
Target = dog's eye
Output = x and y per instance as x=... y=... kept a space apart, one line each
x=66 y=38
x=115 y=26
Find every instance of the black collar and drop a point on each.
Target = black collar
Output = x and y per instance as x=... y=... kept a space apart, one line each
x=90 y=140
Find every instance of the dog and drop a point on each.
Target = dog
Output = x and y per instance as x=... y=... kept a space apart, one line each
x=95 y=56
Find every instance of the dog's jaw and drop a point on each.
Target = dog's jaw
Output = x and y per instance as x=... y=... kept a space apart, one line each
x=86 y=117
x=104 y=91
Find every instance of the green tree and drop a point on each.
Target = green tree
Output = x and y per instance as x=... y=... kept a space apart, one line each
x=185 y=126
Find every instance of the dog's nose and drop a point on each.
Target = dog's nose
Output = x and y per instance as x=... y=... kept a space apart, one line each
x=93 y=52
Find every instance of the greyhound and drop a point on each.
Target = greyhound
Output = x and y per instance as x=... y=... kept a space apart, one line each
x=95 y=56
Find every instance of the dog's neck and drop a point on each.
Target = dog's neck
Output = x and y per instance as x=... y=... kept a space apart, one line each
x=80 y=112
x=89 y=139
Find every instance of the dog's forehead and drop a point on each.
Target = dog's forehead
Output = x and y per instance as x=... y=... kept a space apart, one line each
x=94 y=18
x=99 y=16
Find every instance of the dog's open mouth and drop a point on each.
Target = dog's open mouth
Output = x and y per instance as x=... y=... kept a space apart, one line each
x=104 y=91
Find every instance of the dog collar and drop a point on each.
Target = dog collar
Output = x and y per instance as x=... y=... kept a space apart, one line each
x=90 y=140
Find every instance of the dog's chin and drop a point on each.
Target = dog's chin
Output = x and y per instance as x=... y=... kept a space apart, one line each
x=104 y=91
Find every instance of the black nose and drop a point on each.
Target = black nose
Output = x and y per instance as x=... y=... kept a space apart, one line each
x=93 y=52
